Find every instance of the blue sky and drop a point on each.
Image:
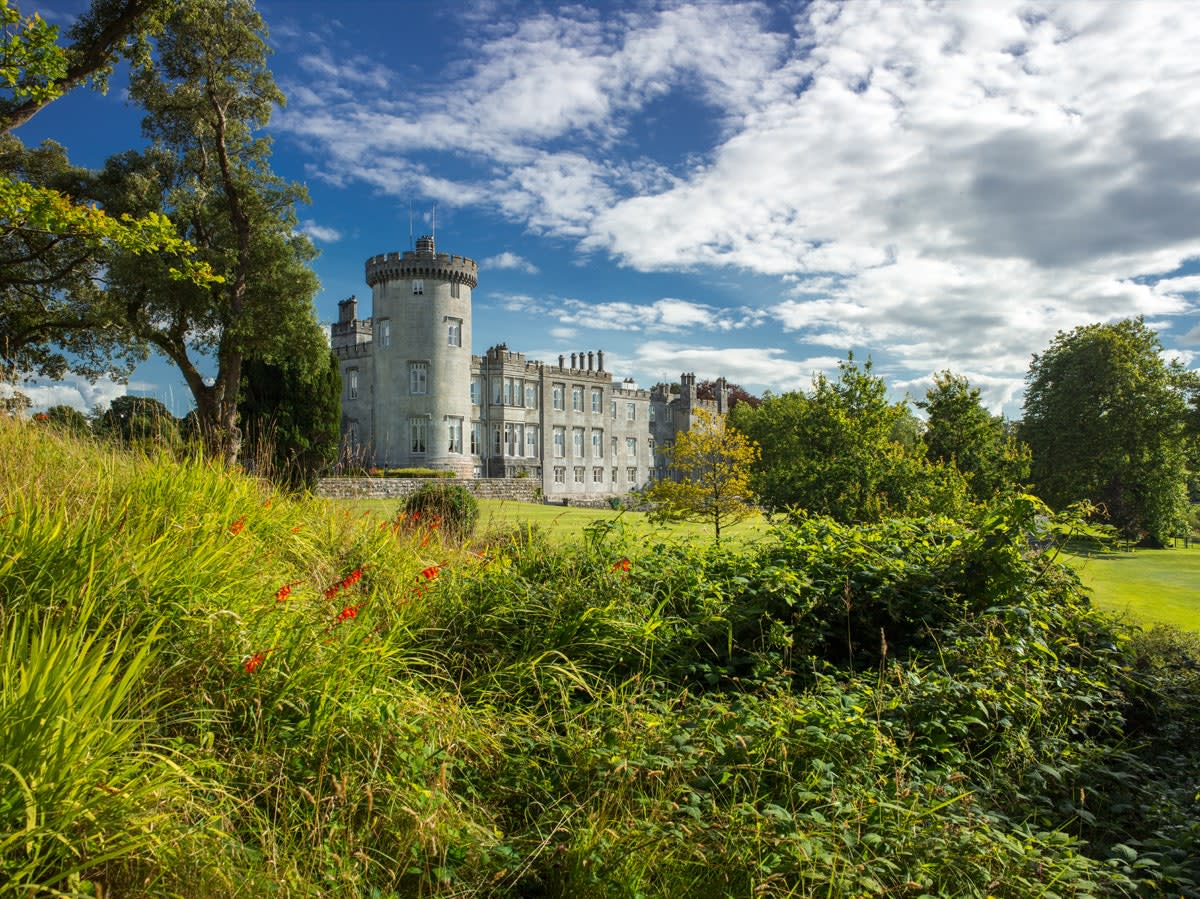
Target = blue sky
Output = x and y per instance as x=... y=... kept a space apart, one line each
x=745 y=189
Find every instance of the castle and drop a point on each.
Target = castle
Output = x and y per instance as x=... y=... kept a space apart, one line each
x=415 y=397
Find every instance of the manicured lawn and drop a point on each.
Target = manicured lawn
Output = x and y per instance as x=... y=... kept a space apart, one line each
x=566 y=523
x=1149 y=585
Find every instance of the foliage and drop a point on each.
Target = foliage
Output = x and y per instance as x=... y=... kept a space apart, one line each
x=961 y=432
x=138 y=421
x=331 y=707
x=709 y=476
x=69 y=419
x=52 y=239
x=208 y=94
x=452 y=507
x=291 y=415
x=736 y=393
x=1106 y=419
x=840 y=452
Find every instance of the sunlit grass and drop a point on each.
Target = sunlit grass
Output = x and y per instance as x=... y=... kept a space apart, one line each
x=1147 y=585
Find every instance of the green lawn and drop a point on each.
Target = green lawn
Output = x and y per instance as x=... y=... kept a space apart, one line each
x=568 y=522
x=1149 y=585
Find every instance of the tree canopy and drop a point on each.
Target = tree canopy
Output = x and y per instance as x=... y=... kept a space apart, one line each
x=208 y=94
x=961 y=432
x=710 y=466
x=844 y=451
x=1108 y=422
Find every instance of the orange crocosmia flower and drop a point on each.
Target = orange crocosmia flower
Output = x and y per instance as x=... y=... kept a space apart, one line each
x=283 y=592
x=255 y=661
x=267 y=504
x=622 y=565
x=238 y=526
x=347 y=613
x=431 y=572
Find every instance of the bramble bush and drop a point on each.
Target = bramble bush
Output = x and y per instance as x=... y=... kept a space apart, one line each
x=451 y=506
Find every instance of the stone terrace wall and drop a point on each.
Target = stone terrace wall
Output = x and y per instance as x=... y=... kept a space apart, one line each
x=519 y=489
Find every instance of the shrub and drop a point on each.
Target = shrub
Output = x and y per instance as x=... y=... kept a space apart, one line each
x=452 y=506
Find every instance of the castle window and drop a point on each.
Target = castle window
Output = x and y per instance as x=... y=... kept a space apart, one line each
x=352 y=383
x=531 y=441
x=577 y=398
x=385 y=332
x=476 y=438
x=650 y=414
x=597 y=443
x=560 y=474
x=476 y=389
x=578 y=474
x=613 y=444
x=613 y=474
x=560 y=442
x=497 y=441
x=631 y=475
x=508 y=391
x=454 y=332
x=455 y=289
x=630 y=412
x=614 y=409
x=497 y=390
x=454 y=430
x=650 y=443
x=530 y=396
x=418 y=432
x=418 y=377
x=577 y=442
x=631 y=447
x=597 y=400
x=418 y=287
x=557 y=392
x=598 y=475
x=512 y=439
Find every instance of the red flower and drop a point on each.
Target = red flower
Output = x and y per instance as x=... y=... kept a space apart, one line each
x=347 y=613
x=237 y=527
x=283 y=592
x=622 y=565
x=431 y=572
x=41 y=416
x=416 y=516
x=255 y=661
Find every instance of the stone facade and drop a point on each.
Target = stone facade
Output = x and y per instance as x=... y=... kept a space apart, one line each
x=414 y=396
x=518 y=489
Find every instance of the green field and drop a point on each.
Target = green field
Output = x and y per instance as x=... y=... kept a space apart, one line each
x=1149 y=585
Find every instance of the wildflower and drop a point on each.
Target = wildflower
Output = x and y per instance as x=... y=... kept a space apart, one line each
x=283 y=592
x=267 y=504
x=431 y=572
x=347 y=613
x=41 y=416
x=255 y=661
x=416 y=516
x=622 y=565
x=237 y=527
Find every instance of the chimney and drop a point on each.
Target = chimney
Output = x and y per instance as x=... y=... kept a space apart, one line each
x=590 y=359
x=572 y=362
x=600 y=359
x=561 y=360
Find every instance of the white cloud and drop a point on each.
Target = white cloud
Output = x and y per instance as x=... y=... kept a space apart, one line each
x=320 y=233
x=507 y=260
x=952 y=181
x=752 y=367
x=77 y=392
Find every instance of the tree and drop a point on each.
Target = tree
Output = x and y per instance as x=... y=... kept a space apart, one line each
x=1107 y=421
x=138 y=421
x=845 y=452
x=962 y=433
x=69 y=419
x=51 y=236
x=707 y=390
x=208 y=93
x=292 y=416
x=712 y=462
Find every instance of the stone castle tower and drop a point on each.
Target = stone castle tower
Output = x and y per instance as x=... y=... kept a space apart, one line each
x=417 y=346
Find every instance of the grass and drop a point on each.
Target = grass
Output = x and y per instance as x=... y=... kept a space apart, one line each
x=1148 y=586
x=564 y=523
x=212 y=689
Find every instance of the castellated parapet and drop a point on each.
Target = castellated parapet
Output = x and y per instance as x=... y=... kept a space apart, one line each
x=423 y=262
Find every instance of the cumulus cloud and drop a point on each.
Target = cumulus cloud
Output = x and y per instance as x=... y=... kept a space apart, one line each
x=509 y=260
x=769 y=367
x=76 y=392
x=952 y=181
x=320 y=233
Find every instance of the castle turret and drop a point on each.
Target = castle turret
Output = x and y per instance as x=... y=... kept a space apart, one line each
x=421 y=302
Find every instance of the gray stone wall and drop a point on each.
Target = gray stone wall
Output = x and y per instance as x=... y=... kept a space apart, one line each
x=518 y=489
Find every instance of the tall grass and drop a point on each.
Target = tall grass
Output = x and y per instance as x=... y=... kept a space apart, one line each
x=214 y=689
